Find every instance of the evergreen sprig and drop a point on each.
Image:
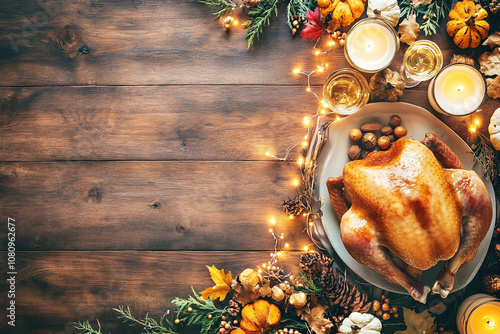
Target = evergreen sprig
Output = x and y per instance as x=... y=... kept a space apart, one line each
x=225 y=6
x=199 y=316
x=86 y=328
x=489 y=161
x=150 y=325
x=309 y=285
x=259 y=17
x=432 y=12
x=298 y=8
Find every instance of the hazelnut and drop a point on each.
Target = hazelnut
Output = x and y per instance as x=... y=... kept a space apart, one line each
x=384 y=143
x=386 y=130
x=386 y=316
x=277 y=293
x=355 y=134
x=400 y=131
x=369 y=140
x=395 y=121
x=354 y=152
x=376 y=306
x=298 y=299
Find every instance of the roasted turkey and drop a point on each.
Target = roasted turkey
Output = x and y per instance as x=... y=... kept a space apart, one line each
x=404 y=209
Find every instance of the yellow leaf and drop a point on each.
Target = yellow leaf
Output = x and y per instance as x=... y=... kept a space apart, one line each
x=216 y=292
x=219 y=277
x=222 y=284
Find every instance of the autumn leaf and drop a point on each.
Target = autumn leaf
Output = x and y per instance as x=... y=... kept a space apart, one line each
x=493 y=87
x=418 y=2
x=315 y=27
x=316 y=319
x=490 y=62
x=418 y=323
x=409 y=30
x=222 y=284
x=493 y=40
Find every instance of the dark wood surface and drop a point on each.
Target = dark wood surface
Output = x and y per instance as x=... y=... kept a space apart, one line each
x=130 y=168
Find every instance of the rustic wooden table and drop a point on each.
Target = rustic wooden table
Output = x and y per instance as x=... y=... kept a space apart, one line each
x=133 y=140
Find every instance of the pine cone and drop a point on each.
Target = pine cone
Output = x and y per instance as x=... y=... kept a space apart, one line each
x=491 y=283
x=234 y=308
x=312 y=263
x=344 y=293
x=494 y=6
x=293 y=206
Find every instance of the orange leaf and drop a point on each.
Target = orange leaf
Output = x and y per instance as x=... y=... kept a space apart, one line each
x=216 y=292
x=222 y=284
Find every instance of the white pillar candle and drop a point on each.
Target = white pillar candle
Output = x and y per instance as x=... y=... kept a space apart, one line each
x=479 y=314
x=458 y=90
x=371 y=45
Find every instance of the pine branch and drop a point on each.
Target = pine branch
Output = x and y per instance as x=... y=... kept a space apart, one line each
x=259 y=16
x=298 y=8
x=432 y=12
x=199 y=316
x=150 y=325
x=489 y=161
x=309 y=285
x=225 y=6
x=86 y=328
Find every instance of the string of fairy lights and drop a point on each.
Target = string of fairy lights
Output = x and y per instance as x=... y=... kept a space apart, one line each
x=270 y=269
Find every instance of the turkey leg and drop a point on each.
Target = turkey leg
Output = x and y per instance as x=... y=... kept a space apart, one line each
x=477 y=217
x=443 y=153
x=335 y=187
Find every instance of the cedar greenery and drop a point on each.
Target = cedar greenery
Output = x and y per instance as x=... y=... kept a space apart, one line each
x=199 y=316
x=432 y=12
x=259 y=16
x=489 y=160
x=298 y=8
x=86 y=328
x=225 y=6
x=150 y=325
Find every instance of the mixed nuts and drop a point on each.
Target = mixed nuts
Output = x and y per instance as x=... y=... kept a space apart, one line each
x=374 y=136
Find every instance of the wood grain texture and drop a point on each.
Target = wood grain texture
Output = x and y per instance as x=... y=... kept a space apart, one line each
x=54 y=289
x=166 y=123
x=149 y=43
x=148 y=205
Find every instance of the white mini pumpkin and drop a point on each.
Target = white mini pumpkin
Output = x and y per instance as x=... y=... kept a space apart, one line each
x=387 y=10
x=494 y=129
x=360 y=323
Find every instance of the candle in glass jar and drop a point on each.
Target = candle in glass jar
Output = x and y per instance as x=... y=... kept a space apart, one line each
x=479 y=314
x=371 y=45
x=458 y=89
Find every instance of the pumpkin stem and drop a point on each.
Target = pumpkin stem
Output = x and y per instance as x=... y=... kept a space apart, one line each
x=471 y=19
x=377 y=11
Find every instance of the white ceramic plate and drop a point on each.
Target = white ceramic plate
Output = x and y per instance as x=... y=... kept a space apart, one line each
x=333 y=157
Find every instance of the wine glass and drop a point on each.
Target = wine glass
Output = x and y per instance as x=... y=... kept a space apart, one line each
x=421 y=61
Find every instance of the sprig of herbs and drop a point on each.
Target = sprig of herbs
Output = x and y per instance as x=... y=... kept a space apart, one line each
x=225 y=6
x=489 y=161
x=430 y=13
x=86 y=328
x=298 y=8
x=199 y=316
x=259 y=17
x=309 y=285
x=150 y=325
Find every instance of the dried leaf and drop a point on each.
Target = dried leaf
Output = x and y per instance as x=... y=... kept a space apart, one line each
x=418 y=2
x=493 y=40
x=418 y=323
x=222 y=284
x=316 y=319
x=462 y=59
x=315 y=27
x=409 y=30
x=493 y=87
x=490 y=62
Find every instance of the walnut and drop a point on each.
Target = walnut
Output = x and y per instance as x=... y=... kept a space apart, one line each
x=354 y=152
x=386 y=86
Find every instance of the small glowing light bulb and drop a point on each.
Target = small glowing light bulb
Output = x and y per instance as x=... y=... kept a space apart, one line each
x=477 y=121
x=296 y=70
x=331 y=43
x=263 y=265
x=306 y=248
x=259 y=271
x=270 y=230
x=472 y=129
x=279 y=254
x=320 y=69
x=235 y=22
x=268 y=154
x=272 y=221
x=306 y=120
x=291 y=217
x=305 y=137
x=308 y=89
x=326 y=64
x=317 y=53
x=337 y=118
x=322 y=111
x=287 y=245
x=304 y=143
x=301 y=160
x=296 y=182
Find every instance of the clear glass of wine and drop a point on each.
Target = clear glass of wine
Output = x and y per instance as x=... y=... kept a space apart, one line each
x=421 y=61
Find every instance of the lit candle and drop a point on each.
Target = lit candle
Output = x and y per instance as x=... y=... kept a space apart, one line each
x=458 y=90
x=371 y=45
x=479 y=314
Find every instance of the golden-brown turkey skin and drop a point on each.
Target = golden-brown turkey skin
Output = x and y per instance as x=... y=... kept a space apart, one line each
x=408 y=200
x=408 y=212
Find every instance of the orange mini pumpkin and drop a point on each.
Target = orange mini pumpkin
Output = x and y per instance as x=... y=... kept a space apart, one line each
x=343 y=11
x=260 y=314
x=238 y=331
x=467 y=24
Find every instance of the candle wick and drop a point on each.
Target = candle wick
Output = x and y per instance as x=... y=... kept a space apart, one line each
x=460 y=88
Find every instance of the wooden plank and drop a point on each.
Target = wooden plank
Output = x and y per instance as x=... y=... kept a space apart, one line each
x=150 y=43
x=54 y=289
x=165 y=123
x=148 y=205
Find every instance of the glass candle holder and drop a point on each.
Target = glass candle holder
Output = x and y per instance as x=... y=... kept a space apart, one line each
x=479 y=314
x=457 y=90
x=371 y=45
x=346 y=91
x=421 y=61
